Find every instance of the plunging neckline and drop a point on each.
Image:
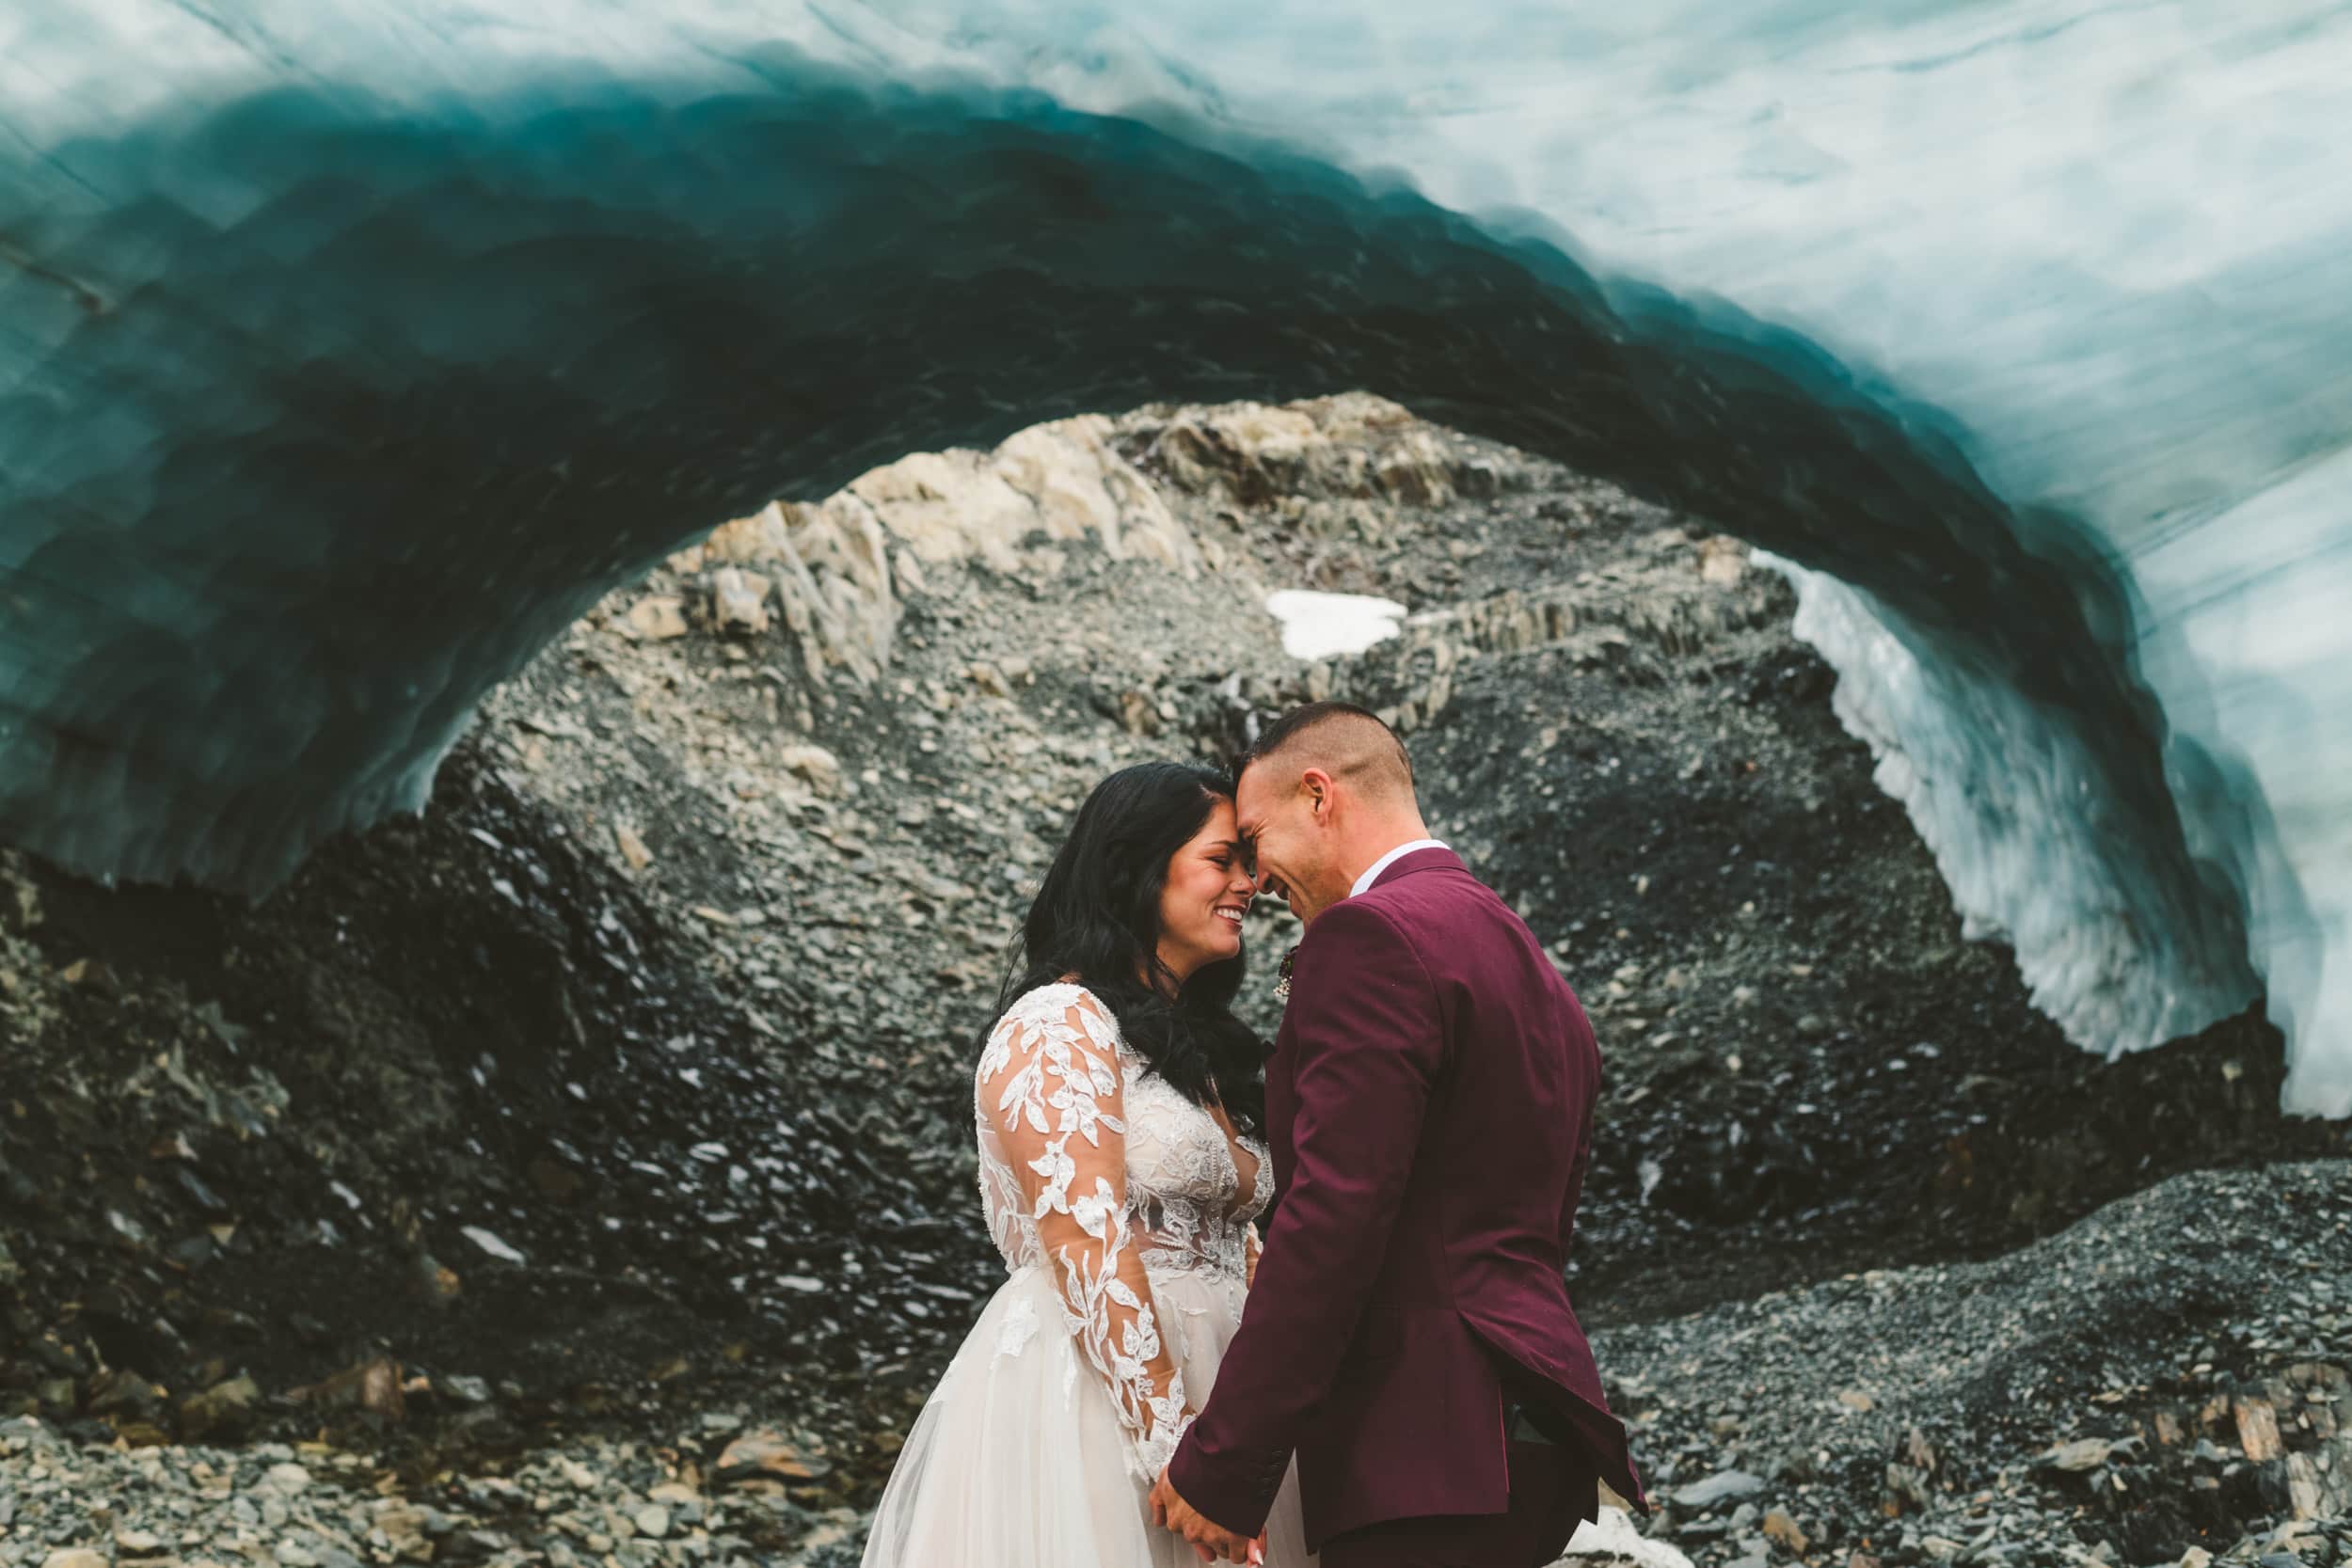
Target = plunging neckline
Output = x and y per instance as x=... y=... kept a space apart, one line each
x=1234 y=1148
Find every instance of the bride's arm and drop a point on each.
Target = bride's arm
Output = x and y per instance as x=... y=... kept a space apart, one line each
x=1251 y=1246
x=1052 y=1091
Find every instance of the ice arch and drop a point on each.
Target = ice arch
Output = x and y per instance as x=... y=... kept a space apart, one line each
x=347 y=349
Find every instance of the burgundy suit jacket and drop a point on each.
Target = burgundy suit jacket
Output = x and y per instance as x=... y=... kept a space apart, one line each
x=1429 y=1107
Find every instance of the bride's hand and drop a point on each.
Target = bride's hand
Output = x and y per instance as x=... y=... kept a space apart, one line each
x=1209 y=1540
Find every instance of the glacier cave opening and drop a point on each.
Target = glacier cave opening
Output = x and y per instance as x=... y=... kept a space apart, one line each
x=388 y=409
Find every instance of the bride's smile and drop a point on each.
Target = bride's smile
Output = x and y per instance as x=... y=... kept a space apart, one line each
x=1206 y=895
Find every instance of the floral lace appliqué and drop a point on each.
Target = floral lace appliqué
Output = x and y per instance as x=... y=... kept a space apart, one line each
x=1090 y=1164
x=1018 y=1327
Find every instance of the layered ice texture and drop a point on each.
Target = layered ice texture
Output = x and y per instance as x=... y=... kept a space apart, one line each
x=350 y=348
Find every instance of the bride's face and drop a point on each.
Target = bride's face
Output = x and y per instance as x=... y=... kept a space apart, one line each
x=1207 y=893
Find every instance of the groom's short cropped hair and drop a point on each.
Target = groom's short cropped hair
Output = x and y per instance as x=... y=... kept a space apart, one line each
x=1346 y=741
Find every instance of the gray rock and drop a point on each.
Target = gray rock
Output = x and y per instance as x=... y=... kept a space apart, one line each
x=470 y=1390
x=1719 y=1487
x=288 y=1479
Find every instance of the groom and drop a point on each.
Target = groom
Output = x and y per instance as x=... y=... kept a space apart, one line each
x=1430 y=1105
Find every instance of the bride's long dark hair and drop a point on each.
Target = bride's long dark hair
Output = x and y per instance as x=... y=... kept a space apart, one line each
x=1097 y=915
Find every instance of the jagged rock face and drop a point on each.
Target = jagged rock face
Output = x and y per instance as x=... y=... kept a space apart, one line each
x=355 y=358
x=841 y=563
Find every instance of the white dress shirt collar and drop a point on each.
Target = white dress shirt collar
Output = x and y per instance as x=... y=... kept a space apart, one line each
x=1372 y=872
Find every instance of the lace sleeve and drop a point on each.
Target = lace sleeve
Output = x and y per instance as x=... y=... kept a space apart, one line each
x=1050 y=1085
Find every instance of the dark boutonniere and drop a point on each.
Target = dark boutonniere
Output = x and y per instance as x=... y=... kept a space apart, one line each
x=1283 y=974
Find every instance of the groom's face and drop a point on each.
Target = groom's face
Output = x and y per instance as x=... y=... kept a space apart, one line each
x=1287 y=839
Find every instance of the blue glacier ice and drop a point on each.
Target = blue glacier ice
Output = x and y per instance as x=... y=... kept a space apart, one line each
x=349 y=348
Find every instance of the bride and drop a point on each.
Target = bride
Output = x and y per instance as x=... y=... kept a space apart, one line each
x=1120 y=1103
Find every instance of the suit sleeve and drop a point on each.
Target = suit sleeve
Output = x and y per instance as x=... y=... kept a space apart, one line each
x=1367 y=1043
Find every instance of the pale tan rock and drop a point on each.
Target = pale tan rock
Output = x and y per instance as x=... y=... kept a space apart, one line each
x=738 y=601
x=1778 y=1526
x=1053 y=468
x=373 y=1385
x=814 y=763
x=947 y=506
x=1139 y=713
x=2304 y=1499
x=1078 y=485
x=1353 y=444
x=2084 y=1453
x=403 y=1526
x=1254 y=451
x=909 y=573
x=1356 y=418
x=286 y=1480
x=658 y=617
x=833 y=586
x=1415 y=471
x=632 y=848
x=761 y=537
x=757 y=1455
x=2257 y=1428
x=1723 y=561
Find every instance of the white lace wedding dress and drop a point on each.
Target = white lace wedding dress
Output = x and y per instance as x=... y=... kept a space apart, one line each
x=1123 y=1212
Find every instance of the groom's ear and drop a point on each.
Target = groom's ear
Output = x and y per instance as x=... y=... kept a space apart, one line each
x=1317 y=786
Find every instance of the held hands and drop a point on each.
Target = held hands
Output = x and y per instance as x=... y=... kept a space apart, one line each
x=1213 y=1540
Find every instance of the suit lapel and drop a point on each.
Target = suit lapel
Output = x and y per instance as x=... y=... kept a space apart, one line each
x=1279 y=1106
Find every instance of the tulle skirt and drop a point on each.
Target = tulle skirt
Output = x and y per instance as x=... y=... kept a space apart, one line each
x=1018 y=1460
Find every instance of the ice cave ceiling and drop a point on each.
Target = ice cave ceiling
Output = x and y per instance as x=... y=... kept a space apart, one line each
x=350 y=348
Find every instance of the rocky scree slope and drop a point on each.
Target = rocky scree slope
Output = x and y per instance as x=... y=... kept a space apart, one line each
x=630 y=1085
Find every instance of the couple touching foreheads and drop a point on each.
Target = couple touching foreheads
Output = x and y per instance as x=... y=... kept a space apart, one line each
x=1391 y=1373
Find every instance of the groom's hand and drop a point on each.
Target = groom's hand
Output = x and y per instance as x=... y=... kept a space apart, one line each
x=1213 y=1540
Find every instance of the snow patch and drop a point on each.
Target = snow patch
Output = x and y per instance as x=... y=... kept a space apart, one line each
x=1316 y=625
